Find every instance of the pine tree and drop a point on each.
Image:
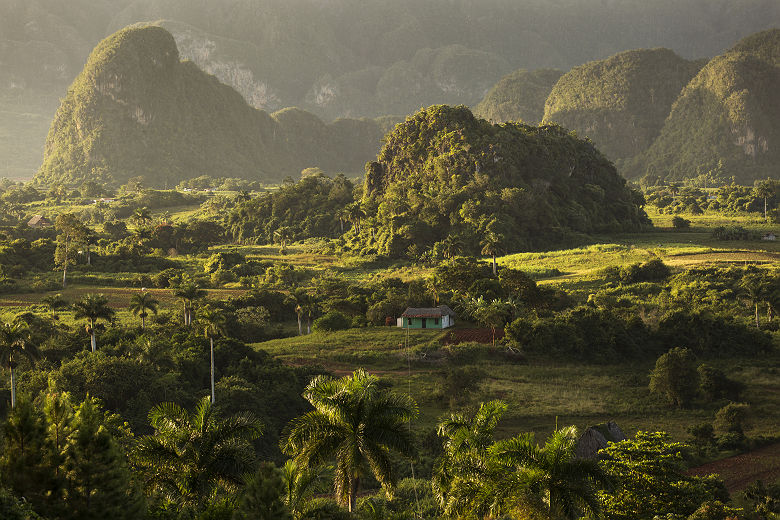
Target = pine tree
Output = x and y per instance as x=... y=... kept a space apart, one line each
x=97 y=478
x=23 y=466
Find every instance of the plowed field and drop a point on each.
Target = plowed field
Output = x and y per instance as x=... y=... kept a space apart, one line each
x=742 y=470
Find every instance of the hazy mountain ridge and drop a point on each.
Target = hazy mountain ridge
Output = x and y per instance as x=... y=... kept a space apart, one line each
x=621 y=102
x=350 y=58
x=726 y=122
x=137 y=110
x=519 y=96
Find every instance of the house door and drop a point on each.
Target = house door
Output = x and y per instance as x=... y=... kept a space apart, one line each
x=424 y=324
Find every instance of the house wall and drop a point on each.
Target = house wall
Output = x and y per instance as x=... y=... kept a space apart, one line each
x=416 y=323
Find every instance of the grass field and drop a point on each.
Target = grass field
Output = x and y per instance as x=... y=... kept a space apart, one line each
x=539 y=392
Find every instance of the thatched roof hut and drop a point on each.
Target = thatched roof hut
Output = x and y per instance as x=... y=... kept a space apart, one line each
x=596 y=438
x=39 y=221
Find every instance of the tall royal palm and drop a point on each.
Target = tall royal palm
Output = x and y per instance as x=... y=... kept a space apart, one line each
x=142 y=304
x=213 y=321
x=15 y=343
x=188 y=292
x=193 y=456
x=93 y=307
x=491 y=246
x=754 y=286
x=463 y=466
x=355 y=422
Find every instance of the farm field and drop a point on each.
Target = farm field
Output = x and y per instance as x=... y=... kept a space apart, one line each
x=541 y=393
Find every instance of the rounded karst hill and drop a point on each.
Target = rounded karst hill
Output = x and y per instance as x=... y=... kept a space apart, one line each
x=726 y=122
x=445 y=175
x=136 y=110
x=620 y=102
x=519 y=96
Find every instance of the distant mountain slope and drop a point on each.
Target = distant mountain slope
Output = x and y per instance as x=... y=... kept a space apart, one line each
x=621 y=102
x=519 y=96
x=137 y=110
x=726 y=122
x=346 y=58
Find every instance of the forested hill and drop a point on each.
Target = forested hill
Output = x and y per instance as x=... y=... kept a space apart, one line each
x=137 y=110
x=519 y=96
x=726 y=122
x=345 y=58
x=446 y=177
x=621 y=102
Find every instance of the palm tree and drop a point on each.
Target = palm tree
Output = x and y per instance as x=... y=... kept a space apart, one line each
x=491 y=246
x=754 y=286
x=304 y=306
x=479 y=477
x=54 y=303
x=764 y=190
x=93 y=307
x=15 y=341
x=342 y=215
x=192 y=456
x=493 y=314
x=299 y=485
x=566 y=484
x=452 y=245
x=188 y=292
x=214 y=322
x=141 y=303
x=142 y=216
x=463 y=463
x=358 y=424
x=283 y=235
x=356 y=213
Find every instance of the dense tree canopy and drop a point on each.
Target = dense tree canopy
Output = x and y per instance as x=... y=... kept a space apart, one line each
x=444 y=172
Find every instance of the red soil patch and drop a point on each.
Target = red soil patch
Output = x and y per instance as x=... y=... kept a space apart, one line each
x=740 y=471
x=456 y=336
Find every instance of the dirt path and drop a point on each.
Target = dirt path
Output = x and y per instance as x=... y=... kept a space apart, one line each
x=740 y=471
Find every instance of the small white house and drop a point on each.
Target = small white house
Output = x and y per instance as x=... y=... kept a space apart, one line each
x=440 y=317
x=769 y=236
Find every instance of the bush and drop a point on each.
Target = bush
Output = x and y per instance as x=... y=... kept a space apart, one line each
x=459 y=382
x=730 y=233
x=733 y=418
x=333 y=320
x=675 y=377
x=681 y=223
x=731 y=441
x=650 y=271
x=714 y=384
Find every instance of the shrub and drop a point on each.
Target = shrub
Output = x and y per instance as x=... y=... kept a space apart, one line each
x=714 y=384
x=457 y=383
x=733 y=418
x=333 y=320
x=675 y=377
x=681 y=223
x=730 y=233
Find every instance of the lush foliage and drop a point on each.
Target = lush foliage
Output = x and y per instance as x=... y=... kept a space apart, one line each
x=523 y=186
x=112 y=127
x=620 y=102
x=519 y=96
x=725 y=121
